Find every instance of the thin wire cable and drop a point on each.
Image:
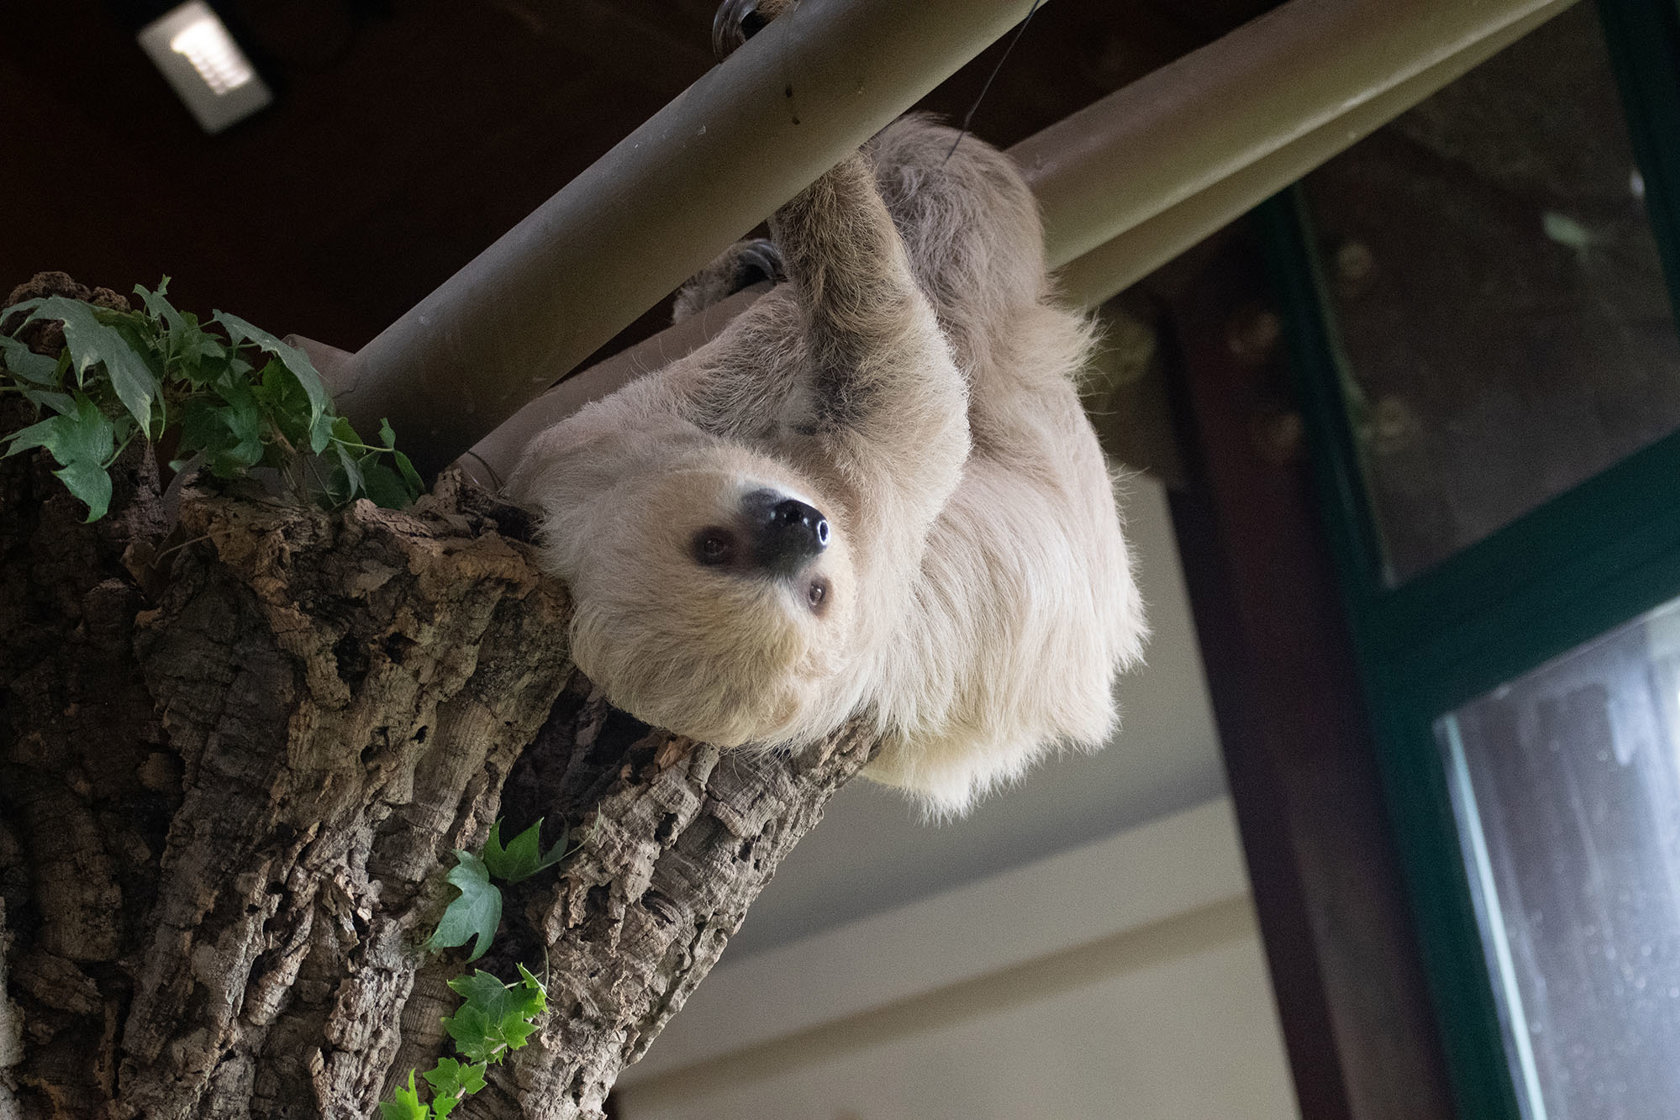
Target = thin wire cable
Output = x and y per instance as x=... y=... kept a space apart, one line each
x=969 y=116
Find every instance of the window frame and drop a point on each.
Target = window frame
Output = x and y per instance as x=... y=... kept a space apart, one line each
x=1580 y=564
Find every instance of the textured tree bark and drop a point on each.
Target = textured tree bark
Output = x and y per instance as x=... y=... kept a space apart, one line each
x=238 y=741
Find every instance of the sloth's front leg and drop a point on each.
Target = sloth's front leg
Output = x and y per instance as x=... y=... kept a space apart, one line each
x=885 y=395
x=882 y=392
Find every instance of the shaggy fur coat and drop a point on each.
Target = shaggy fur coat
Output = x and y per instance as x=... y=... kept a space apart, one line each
x=875 y=492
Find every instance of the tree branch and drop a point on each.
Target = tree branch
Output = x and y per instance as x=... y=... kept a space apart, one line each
x=234 y=752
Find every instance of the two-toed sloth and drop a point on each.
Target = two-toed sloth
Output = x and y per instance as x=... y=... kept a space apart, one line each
x=875 y=492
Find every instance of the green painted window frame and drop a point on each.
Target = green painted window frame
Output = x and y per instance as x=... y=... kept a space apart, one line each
x=1577 y=566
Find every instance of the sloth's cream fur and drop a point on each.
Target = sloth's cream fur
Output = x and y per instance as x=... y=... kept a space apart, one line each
x=913 y=382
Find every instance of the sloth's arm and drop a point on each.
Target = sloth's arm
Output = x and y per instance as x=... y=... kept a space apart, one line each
x=848 y=352
x=880 y=386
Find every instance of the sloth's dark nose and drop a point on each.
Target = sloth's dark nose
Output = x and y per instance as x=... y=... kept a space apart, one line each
x=786 y=533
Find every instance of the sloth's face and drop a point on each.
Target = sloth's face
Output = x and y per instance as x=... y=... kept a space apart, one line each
x=768 y=535
x=721 y=591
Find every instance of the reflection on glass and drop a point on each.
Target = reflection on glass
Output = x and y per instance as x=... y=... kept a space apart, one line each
x=1566 y=783
x=1497 y=295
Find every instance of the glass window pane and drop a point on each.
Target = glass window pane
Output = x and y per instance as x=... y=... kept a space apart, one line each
x=1567 y=787
x=1497 y=295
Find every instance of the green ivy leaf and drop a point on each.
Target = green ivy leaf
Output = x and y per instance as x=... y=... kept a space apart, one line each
x=43 y=433
x=244 y=452
x=279 y=393
x=92 y=342
x=159 y=307
x=496 y=1017
x=456 y=1078
x=297 y=363
x=82 y=441
x=91 y=483
x=475 y=1033
x=451 y=1081
x=202 y=428
x=168 y=372
x=347 y=479
x=405 y=1104
x=384 y=486
x=24 y=308
x=404 y=465
x=523 y=857
x=48 y=399
x=475 y=914
x=228 y=436
x=533 y=992
x=190 y=351
x=201 y=357
x=411 y=477
x=246 y=425
x=18 y=359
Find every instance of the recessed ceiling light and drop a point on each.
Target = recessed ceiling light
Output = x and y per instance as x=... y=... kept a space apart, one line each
x=193 y=49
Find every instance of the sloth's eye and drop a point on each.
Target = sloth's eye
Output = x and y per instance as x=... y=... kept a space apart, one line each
x=713 y=547
x=817 y=593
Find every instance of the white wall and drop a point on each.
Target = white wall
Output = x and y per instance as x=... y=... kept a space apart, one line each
x=1122 y=979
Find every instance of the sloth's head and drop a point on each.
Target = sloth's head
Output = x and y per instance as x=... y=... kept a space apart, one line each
x=713 y=596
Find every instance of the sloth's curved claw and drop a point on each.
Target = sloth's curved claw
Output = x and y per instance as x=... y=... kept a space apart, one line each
x=742 y=265
x=755 y=261
x=739 y=20
x=736 y=22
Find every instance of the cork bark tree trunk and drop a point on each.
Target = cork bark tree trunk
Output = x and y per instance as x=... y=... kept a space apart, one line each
x=238 y=741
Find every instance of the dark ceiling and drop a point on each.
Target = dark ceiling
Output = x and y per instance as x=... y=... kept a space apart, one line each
x=406 y=135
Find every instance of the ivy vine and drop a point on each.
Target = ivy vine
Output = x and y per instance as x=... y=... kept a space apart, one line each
x=223 y=395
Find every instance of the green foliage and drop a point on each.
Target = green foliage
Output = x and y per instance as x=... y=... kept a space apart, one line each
x=522 y=858
x=232 y=396
x=83 y=441
x=476 y=911
x=405 y=1104
x=494 y=1018
x=451 y=1081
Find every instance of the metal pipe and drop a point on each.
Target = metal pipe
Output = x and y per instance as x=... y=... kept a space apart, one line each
x=1202 y=118
x=1275 y=156
x=735 y=145
x=1116 y=265
x=493 y=458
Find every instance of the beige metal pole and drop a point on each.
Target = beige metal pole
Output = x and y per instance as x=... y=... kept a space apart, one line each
x=493 y=458
x=1112 y=267
x=1268 y=157
x=703 y=171
x=1198 y=120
